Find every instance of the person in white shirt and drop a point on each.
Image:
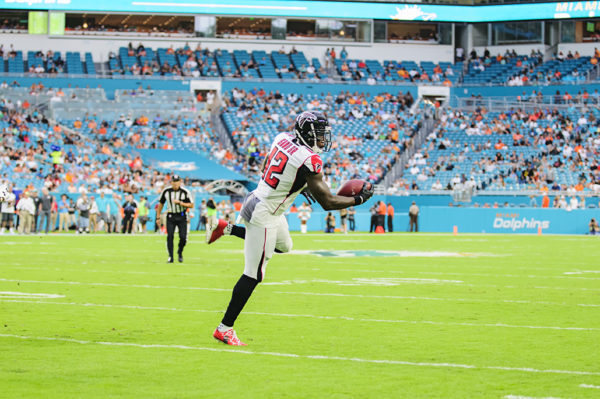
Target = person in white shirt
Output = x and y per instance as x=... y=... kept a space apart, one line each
x=562 y=202
x=574 y=203
x=83 y=206
x=93 y=214
x=293 y=164
x=7 y=208
x=26 y=210
x=304 y=212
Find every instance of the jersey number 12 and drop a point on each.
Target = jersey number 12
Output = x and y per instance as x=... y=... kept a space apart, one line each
x=274 y=166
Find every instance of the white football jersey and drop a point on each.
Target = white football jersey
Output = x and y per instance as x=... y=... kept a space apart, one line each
x=284 y=176
x=8 y=205
x=304 y=212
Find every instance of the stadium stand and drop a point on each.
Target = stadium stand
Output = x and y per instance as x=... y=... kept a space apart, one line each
x=509 y=68
x=97 y=138
x=544 y=149
x=369 y=131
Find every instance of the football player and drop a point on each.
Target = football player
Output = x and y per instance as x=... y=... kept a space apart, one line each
x=292 y=165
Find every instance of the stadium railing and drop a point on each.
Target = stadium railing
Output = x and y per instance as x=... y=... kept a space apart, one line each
x=511 y=102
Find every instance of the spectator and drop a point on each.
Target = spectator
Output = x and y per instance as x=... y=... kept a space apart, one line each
x=373 y=210
x=37 y=204
x=304 y=212
x=63 y=214
x=115 y=213
x=143 y=213
x=351 y=218
x=25 y=210
x=83 y=206
x=532 y=201
x=329 y=223
x=45 y=210
x=129 y=214
x=390 y=217
x=594 y=229
x=343 y=220
x=413 y=213
x=102 y=203
x=382 y=212
x=94 y=211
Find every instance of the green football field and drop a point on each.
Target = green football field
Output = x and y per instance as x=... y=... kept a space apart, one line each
x=342 y=316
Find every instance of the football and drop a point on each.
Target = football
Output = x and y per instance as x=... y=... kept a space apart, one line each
x=352 y=187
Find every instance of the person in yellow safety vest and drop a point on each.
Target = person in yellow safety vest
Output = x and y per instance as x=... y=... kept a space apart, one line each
x=57 y=156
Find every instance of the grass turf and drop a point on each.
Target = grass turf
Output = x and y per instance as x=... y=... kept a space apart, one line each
x=501 y=317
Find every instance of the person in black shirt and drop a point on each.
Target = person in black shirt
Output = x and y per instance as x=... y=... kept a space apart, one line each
x=45 y=209
x=178 y=200
x=37 y=202
x=129 y=210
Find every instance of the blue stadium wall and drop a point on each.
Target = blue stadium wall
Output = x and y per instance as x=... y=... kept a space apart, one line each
x=436 y=217
x=110 y=85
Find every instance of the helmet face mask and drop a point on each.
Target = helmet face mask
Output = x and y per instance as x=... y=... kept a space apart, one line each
x=313 y=131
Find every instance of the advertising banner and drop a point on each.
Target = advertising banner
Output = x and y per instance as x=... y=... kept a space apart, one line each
x=325 y=9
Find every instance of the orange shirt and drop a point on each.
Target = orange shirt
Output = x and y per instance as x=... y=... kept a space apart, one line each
x=382 y=209
x=545 y=201
x=390 y=210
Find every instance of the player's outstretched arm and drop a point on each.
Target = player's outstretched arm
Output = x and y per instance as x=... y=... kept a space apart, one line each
x=330 y=201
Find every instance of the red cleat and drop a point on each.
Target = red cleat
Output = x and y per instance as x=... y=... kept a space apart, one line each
x=214 y=232
x=228 y=337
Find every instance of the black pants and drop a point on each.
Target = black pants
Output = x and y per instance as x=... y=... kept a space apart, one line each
x=46 y=217
x=178 y=220
x=414 y=222
x=127 y=223
x=390 y=223
x=381 y=221
x=351 y=224
x=373 y=223
x=201 y=222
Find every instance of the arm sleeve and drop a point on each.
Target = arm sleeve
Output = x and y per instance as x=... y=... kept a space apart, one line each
x=314 y=164
x=163 y=197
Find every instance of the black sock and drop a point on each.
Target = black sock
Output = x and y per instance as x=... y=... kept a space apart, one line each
x=241 y=293
x=238 y=231
x=278 y=251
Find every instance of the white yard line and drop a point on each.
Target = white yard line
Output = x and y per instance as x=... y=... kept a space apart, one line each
x=60 y=269
x=293 y=355
x=589 y=386
x=302 y=293
x=115 y=285
x=529 y=397
x=354 y=281
x=583 y=272
x=13 y=294
x=453 y=273
x=310 y=316
x=335 y=294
